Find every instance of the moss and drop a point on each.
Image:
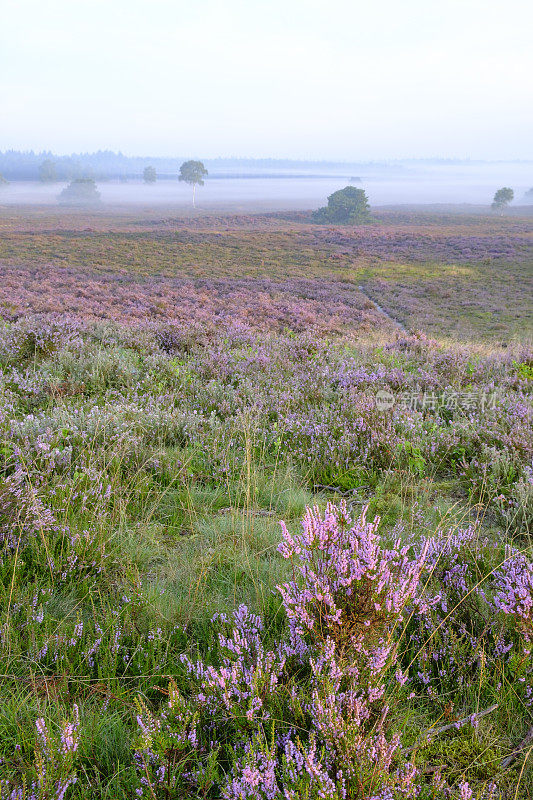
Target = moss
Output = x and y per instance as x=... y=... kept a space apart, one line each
x=465 y=754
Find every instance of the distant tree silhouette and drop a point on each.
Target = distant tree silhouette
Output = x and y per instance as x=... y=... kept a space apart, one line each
x=80 y=192
x=345 y=206
x=47 y=171
x=193 y=173
x=502 y=198
x=75 y=170
x=149 y=175
x=3 y=181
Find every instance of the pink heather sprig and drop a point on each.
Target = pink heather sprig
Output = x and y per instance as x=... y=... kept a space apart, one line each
x=42 y=731
x=466 y=792
x=248 y=673
x=254 y=776
x=53 y=765
x=69 y=733
x=343 y=580
x=348 y=715
x=297 y=771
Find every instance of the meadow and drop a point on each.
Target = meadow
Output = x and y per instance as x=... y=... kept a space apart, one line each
x=174 y=388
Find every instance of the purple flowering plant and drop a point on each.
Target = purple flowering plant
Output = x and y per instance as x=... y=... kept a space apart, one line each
x=311 y=716
x=53 y=770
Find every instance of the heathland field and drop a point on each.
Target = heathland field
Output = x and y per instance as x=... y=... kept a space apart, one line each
x=171 y=389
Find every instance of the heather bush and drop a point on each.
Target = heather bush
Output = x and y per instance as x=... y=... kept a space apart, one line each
x=310 y=713
x=342 y=610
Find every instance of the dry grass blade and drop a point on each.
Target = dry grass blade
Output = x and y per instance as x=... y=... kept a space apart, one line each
x=526 y=741
x=458 y=723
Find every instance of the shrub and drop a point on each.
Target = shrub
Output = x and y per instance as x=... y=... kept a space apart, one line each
x=80 y=192
x=349 y=205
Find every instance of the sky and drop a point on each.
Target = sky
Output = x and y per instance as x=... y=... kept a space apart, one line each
x=309 y=79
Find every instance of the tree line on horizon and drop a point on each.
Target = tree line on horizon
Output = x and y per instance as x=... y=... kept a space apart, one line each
x=106 y=164
x=100 y=166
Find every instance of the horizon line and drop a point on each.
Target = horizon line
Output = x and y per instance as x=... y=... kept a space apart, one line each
x=302 y=160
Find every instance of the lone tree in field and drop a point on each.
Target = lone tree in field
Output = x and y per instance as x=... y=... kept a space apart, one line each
x=502 y=198
x=345 y=206
x=47 y=171
x=3 y=181
x=80 y=192
x=149 y=175
x=193 y=173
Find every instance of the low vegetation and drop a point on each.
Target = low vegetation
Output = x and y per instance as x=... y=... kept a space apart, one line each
x=162 y=634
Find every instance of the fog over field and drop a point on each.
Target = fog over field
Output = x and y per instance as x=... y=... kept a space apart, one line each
x=426 y=103
x=288 y=188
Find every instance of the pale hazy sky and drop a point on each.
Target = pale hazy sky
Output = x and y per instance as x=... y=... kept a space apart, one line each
x=285 y=78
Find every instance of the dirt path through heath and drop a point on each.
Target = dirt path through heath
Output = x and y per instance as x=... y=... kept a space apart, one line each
x=386 y=314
